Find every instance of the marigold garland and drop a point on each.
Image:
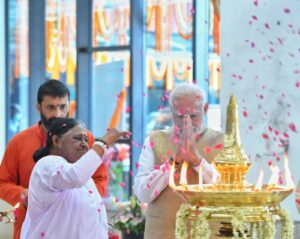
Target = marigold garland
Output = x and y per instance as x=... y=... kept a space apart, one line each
x=287 y=224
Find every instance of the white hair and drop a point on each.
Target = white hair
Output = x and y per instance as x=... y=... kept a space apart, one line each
x=186 y=90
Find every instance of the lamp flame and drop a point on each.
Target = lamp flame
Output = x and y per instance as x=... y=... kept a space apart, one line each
x=288 y=176
x=183 y=174
x=275 y=175
x=171 y=178
x=259 y=182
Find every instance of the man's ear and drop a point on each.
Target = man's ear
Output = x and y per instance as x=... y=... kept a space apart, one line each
x=205 y=108
x=38 y=107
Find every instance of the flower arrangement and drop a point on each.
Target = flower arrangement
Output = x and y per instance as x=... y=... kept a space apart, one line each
x=131 y=219
x=200 y=227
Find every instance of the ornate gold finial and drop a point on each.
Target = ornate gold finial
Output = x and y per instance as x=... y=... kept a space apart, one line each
x=232 y=162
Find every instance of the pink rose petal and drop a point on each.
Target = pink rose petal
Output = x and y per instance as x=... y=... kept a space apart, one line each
x=265 y=136
x=292 y=127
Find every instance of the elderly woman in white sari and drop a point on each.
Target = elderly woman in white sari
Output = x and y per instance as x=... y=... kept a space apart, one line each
x=63 y=201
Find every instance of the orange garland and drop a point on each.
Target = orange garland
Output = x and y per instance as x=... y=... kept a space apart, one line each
x=216 y=31
x=181 y=32
x=158 y=37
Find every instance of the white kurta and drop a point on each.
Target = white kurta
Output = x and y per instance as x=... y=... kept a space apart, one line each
x=63 y=201
x=150 y=180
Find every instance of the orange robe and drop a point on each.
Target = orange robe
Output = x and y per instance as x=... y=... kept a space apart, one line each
x=17 y=164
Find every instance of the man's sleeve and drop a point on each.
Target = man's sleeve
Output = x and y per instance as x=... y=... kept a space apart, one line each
x=100 y=177
x=9 y=190
x=150 y=180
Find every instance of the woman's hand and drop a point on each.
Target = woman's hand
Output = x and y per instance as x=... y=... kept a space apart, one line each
x=112 y=135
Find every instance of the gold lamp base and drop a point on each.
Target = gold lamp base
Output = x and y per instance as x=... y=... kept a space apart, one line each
x=249 y=197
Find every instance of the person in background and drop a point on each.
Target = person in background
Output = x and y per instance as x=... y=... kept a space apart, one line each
x=63 y=201
x=189 y=139
x=53 y=99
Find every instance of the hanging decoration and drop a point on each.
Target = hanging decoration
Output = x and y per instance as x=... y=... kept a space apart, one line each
x=111 y=22
x=216 y=25
x=184 y=24
x=60 y=38
x=102 y=27
x=214 y=65
x=21 y=41
x=168 y=69
x=166 y=15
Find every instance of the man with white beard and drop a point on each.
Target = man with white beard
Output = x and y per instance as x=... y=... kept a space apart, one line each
x=189 y=139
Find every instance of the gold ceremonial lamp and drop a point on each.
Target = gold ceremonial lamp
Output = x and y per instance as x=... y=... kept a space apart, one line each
x=231 y=199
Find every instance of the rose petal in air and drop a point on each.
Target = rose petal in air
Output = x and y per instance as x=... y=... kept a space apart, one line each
x=292 y=127
x=265 y=136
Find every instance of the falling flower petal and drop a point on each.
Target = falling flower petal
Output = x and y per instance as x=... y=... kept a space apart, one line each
x=270 y=128
x=17 y=212
x=292 y=127
x=286 y=135
x=218 y=146
x=267 y=25
x=280 y=180
x=123 y=185
x=277 y=158
x=265 y=136
x=151 y=144
x=128 y=109
x=156 y=167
